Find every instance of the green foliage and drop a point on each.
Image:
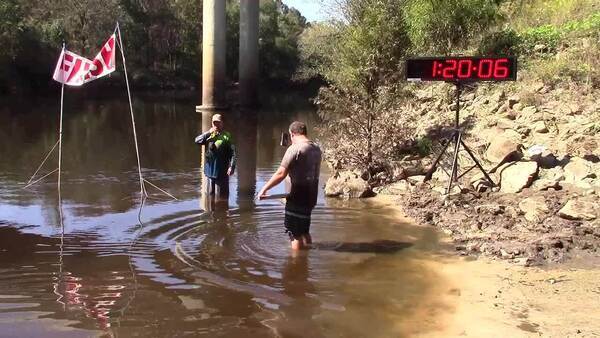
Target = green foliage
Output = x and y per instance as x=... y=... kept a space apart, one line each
x=424 y=146
x=280 y=30
x=525 y=14
x=162 y=38
x=505 y=42
x=317 y=46
x=369 y=48
x=441 y=26
x=546 y=35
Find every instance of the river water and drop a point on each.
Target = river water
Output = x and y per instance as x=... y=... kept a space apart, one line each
x=101 y=266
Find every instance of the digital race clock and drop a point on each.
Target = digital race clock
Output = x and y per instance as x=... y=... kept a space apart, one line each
x=460 y=69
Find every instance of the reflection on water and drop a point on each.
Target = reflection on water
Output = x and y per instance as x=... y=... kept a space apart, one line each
x=196 y=266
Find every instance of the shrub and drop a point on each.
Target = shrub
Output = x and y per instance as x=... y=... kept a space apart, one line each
x=505 y=42
x=546 y=35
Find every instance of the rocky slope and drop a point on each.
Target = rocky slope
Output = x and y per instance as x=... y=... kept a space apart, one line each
x=540 y=144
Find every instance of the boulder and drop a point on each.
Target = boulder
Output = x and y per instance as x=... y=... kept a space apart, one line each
x=503 y=147
x=580 y=209
x=578 y=169
x=347 y=184
x=549 y=179
x=396 y=188
x=535 y=208
x=516 y=176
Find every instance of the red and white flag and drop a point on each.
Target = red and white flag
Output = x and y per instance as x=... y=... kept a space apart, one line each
x=75 y=70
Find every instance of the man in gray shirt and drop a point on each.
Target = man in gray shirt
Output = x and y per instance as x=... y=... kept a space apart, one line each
x=302 y=162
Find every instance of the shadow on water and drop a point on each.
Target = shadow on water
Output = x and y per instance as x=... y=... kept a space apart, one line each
x=377 y=246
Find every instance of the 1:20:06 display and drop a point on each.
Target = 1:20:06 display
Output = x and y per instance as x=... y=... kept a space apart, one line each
x=466 y=69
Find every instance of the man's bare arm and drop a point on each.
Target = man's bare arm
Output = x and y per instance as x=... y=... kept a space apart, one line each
x=277 y=178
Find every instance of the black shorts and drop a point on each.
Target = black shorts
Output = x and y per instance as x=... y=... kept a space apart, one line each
x=297 y=220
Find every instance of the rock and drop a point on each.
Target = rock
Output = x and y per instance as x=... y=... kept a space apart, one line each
x=504 y=123
x=516 y=176
x=579 y=169
x=571 y=109
x=528 y=112
x=513 y=100
x=416 y=179
x=396 y=188
x=540 y=127
x=540 y=48
x=535 y=208
x=511 y=114
x=498 y=96
x=549 y=178
x=580 y=209
x=502 y=148
x=347 y=184
x=518 y=107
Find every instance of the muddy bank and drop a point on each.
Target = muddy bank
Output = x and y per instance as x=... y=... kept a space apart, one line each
x=494 y=224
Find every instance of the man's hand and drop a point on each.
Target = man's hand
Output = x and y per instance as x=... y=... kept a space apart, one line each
x=262 y=194
x=230 y=171
x=213 y=129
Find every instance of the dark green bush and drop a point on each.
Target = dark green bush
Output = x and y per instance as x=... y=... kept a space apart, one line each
x=505 y=42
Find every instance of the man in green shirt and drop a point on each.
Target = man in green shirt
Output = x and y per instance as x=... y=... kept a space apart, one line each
x=219 y=157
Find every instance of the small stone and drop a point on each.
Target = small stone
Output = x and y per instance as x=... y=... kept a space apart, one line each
x=540 y=127
x=416 y=179
x=535 y=208
x=579 y=209
x=518 y=107
x=528 y=111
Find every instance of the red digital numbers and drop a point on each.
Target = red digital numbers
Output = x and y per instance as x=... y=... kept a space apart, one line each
x=450 y=68
x=485 y=69
x=463 y=69
x=501 y=68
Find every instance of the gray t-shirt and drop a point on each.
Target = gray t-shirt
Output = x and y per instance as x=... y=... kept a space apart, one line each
x=303 y=161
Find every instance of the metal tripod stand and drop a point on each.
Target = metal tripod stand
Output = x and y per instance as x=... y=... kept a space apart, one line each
x=456 y=138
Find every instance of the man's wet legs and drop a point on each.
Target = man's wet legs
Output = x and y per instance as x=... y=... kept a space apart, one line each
x=219 y=187
x=301 y=242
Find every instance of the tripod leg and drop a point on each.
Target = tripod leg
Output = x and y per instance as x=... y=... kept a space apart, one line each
x=453 y=178
x=487 y=176
x=437 y=159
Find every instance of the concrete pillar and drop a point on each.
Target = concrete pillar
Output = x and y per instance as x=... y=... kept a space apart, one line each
x=205 y=199
x=246 y=137
x=248 y=62
x=213 y=55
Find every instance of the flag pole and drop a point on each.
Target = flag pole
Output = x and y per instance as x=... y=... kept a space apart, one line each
x=60 y=128
x=137 y=151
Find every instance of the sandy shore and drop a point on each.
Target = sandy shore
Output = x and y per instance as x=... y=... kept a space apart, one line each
x=493 y=298
x=488 y=298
